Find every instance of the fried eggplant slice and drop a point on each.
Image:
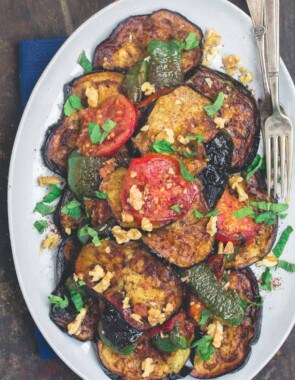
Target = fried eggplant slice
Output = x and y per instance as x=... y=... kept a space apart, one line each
x=239 y=111
x=66 y=318
x=60 y=139
x=127 y=45
x=65 y=259
x=144 y=360
x=236 y=341
x=115 y=272
x=175 y=116
x=261 y=245
x=185 y=242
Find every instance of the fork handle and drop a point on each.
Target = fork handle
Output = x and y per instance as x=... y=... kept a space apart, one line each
x=272 y=21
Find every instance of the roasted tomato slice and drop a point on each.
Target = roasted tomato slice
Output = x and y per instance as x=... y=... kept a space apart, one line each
x=217 y=265
x=154 y=188
x=230 y=228
x=116 y=108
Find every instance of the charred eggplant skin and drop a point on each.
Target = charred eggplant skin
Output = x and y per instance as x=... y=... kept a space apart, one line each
x=66 y=255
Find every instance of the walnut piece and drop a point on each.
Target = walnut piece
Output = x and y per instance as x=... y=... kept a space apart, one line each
x=215 y=330
x=229 y=248
x=92 y=96
x=126 y=304
x=183 y=140
x=97 y=273
x=135 y=198
x=220 y=122
x=134 y=234
x=126 y=217
x=104 y=283
x=209 y=82
x=146 y=224
x=44 y=181
x=211 y=228
x=145 y=128
x=246 y=78
x=155 y=316
x=235 y=184
x=74 y=328
x=120 y=235
x=211 y=46
x=50 y=241
x=269 y=261
x=148 y=89
x=147 y=367
x=231 y=61
x=136 y=317
x=167 y=134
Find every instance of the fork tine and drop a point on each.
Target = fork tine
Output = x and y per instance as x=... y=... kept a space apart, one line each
x=275 y=164
x=289 y=146
x=283 y=161
x=268 y=163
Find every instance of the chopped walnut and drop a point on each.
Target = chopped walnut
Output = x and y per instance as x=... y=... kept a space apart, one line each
x=232 y=71
x=68 y=231
x=147 y=367
x=235 y=184
x=243 y=69
x=135 y=198
x=220 y=248
x=246 y=78
x=74 y=328
x=211 y=228
x=229 y=248
x=167 y=134
x=269 y=261
x=183 y=140
x=155 y=317
x=215 y=330
x=178 y=102
x=126 y=304
x=136 y=317
x=97 y=273
x=50 y=241
x=168 y=308
x=209 y=82
x=220 y=122
x=148 y=89
x=226 y=285
x=126 y=217
x=146 y=224
x=133 y=234
x=211 y=46
x=92 y=96
x=133 y=174
x=108 y=250
x=145 y=128
x=44 y=181
x=231 y=61
x=120 y=235
x=78 y=276
x=104 y=283
x=211 y=38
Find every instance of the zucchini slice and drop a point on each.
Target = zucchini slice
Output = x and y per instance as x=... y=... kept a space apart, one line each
x=127 y=45
x=185 y=242
x=239 y=110
x=153 y=290
x=174 y=116
x=236 y=344
x=60 y=139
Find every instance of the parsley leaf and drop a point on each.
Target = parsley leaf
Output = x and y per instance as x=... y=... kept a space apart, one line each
x=59 y=302
x=269 y=206
x=289 y=267
x=254 y=167
x=94 y=132
x=206 y=314
x=84 y=62
x=100 y=195
x=72 y=103
x=191 y=41
x=215 y=107
x=199 y=137
x=190 y=155
x=162 y=146
x=85 y=233
x=204 y=348
x=77 y=299
x=73 y=209
x=283 y=240
x=212 y=213
x=266 y=217
x=109 y=125
x=55 y=192
x=243 y=212
x=41 y=225
x=176 y=209
x=186 y=175
x=266 y=280
x=43 y=209
x=198 y=215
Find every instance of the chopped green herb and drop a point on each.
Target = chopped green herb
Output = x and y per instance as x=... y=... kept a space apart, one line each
x=73 y=103
x=204 y=348
x=243 y=213
x=55 y=192
x=109 y=125
x=191 y=41
x=198 y=215
x=266 y=217
x=206 y=314
x=85 y=63
x=190 y=155
x=212 y=213
x=215 y=107
x=162 y=146
x=59 y=302
x=73 y=209
x=254 y=167
x=87 y=199
x=100 y=195
x=283 y=240
x=265 y=280
x=268 y=206
x=85 y=233
x=94 y=132
x=186 y=175
x=81 y=282
x=198 y=137
x=41 y=225
x=77 y=299
x=176 y=209
x=43 y=209
x=289 y=267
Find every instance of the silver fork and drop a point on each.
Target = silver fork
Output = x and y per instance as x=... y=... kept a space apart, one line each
x=278 y=128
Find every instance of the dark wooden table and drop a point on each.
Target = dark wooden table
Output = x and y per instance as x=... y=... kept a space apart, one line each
x=26 y=19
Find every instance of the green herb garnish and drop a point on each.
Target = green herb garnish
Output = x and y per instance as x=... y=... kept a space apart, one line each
x=199 y=137
x=41 y=225
x=269 y=206
x=43 y=209
x=265 y=280
x=55 y=192
x=100 y=195
x=206 y=314
x=289 y=267
x=85 y=233
x=266 y=217
x=77 y=299
x=73 y=103
x=283 y=240
x=73 y=209
x=162 y=146
x=59 y=302
x=190 y=155
x=198 y=215
x=243 y=213
x=85 y=63
x=176 y=209
x=215 y=107
x=204 y=348
x=191 y=41
x=186 y=175
x=212 y=213
x=95 y=133
x=254 y=167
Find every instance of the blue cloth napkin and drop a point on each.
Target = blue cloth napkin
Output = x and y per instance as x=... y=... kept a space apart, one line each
x=34 y=56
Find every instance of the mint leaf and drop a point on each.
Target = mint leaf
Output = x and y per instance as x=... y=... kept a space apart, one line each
x=215 y=107
x=190 y=155
x=204 y=348
x=43 y=209
x=41 y=225
x=212 y=213
x=100 y=195
x=283 y=240
x=55 y=192
x=59 y=302
x=266 y=217
x=254 y=167
x=85 y=233
x=265 y=280
x=109 y=125
x=77 y=299
x=73 y=209
x=199 y=137
x=289 y=267
x=191 y=41
x=198 y=215
x=269 y=206
x=72 y=103
x=243 y=213
x=206 y=314
x=186 y=175
x=176 y=209
x=162 y=146
x=94 y=132
x=85 y=63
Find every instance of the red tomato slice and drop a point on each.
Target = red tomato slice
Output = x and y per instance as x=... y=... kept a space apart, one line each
x=216 y=263
x=153 y=185
x=230 y=228
x=120 y=110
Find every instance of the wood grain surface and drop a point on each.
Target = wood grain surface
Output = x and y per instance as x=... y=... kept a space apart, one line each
x=25 y=19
